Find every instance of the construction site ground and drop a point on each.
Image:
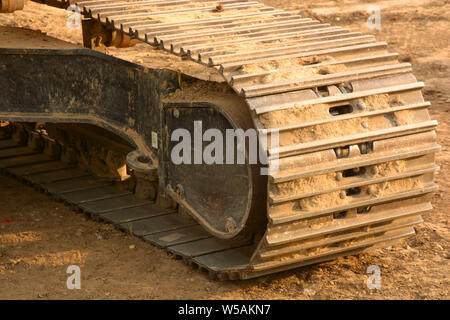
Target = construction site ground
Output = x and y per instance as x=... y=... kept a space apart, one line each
x=40 y=238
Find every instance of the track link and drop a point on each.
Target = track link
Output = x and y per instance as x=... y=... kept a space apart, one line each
x=356 y=155
x=103 y=200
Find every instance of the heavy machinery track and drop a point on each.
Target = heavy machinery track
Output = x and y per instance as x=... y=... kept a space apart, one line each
x=104 y=200
x=355 y=164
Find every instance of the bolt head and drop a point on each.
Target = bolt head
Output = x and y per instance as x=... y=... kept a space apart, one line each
x=361 y=105
x=230 y=224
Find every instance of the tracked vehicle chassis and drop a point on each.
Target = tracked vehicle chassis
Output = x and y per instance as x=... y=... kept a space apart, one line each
x=354 y=168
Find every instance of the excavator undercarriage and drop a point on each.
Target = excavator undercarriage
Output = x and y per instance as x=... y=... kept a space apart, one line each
x=354 y=165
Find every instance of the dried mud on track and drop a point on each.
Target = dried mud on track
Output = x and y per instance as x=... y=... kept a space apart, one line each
x=40 y=238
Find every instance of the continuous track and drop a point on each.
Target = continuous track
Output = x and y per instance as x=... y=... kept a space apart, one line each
x=356 y=155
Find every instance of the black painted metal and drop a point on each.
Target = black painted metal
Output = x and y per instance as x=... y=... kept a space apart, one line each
x=84 y=86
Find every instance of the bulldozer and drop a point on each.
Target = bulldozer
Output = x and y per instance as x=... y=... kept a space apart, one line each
x=348 y=146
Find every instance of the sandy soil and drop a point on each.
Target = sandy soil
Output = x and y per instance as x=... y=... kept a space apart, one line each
x=40 y=238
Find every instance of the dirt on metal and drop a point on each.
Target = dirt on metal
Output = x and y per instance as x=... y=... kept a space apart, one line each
x=40 y=238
